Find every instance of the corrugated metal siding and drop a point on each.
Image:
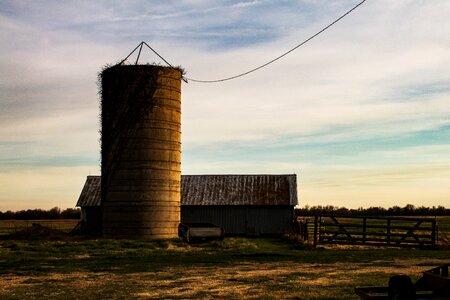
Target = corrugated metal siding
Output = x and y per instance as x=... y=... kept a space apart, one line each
x=242 y=219
x=239 y=190
x=90 y=195
x=218 y=190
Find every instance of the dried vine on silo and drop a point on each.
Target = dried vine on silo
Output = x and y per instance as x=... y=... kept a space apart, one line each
x=126 y=105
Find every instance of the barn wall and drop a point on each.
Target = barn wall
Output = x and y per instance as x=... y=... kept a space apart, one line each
x=242 y=219
x=91 y=219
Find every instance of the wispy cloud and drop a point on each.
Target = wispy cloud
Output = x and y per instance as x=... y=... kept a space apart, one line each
x=341 y=101
x=246 y=4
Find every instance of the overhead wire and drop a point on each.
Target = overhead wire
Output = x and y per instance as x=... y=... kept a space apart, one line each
x=187 y=79
x=282 y=55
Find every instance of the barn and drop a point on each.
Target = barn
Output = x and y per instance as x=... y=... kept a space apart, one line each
x=248 y=205
x=89 y=202
x=241 y=204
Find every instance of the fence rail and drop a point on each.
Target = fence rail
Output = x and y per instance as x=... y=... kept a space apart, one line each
x=375 y=231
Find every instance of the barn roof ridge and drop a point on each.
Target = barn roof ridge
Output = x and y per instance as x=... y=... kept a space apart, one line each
x=265 y=174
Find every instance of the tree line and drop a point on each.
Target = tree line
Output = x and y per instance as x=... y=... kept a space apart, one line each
x=41 y=214
x=408 y=210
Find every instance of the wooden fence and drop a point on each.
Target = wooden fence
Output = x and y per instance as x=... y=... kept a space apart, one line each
x=375 y=231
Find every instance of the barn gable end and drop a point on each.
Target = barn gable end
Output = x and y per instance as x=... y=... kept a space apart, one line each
x=89 y=202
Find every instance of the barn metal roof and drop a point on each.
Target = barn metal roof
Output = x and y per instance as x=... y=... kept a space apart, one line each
x=90 y=195
x=218 y=190
x=239 y=190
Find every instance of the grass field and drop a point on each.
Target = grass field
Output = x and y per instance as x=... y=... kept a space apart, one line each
x=234 y=268
x=443 y=224
x=8 y=226
x=76 y=268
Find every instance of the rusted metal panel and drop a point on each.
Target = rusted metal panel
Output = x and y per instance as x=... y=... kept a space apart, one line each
x=239 y=190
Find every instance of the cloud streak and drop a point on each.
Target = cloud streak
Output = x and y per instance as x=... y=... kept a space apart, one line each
x=367 y=99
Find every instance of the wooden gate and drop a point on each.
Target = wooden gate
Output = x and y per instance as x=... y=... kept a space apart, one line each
x=375 y=231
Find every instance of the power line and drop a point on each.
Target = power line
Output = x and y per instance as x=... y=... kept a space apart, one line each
x=186 y=79
x=275 y=59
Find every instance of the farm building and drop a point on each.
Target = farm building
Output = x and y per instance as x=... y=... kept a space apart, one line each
x=241 y=204
x=89 y=202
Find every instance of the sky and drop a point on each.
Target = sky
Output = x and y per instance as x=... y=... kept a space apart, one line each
x=361 y=113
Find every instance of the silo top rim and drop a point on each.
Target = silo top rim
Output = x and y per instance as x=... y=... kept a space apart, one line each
x=142 y=67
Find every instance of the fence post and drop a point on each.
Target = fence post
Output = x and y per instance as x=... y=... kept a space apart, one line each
x=388 y=231
x=316 y=224
x=364 y=229
x=305 y=230
x=433 y=232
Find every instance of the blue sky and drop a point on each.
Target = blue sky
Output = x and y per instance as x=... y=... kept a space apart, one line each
x=361 y=113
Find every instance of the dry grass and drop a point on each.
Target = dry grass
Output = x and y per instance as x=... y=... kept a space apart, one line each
x=236 y=268
x=11 y=226
x=248 y=280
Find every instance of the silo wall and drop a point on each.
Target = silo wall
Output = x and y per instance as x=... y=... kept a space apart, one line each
x=141 y=151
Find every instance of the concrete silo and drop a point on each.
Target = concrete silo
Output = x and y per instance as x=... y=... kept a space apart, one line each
x=141 y=151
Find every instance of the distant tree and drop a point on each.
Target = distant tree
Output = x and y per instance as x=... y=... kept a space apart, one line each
x=7 y=215
x=408 y=210
x=54 y=213
x=40 y=214
x=70 y=213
